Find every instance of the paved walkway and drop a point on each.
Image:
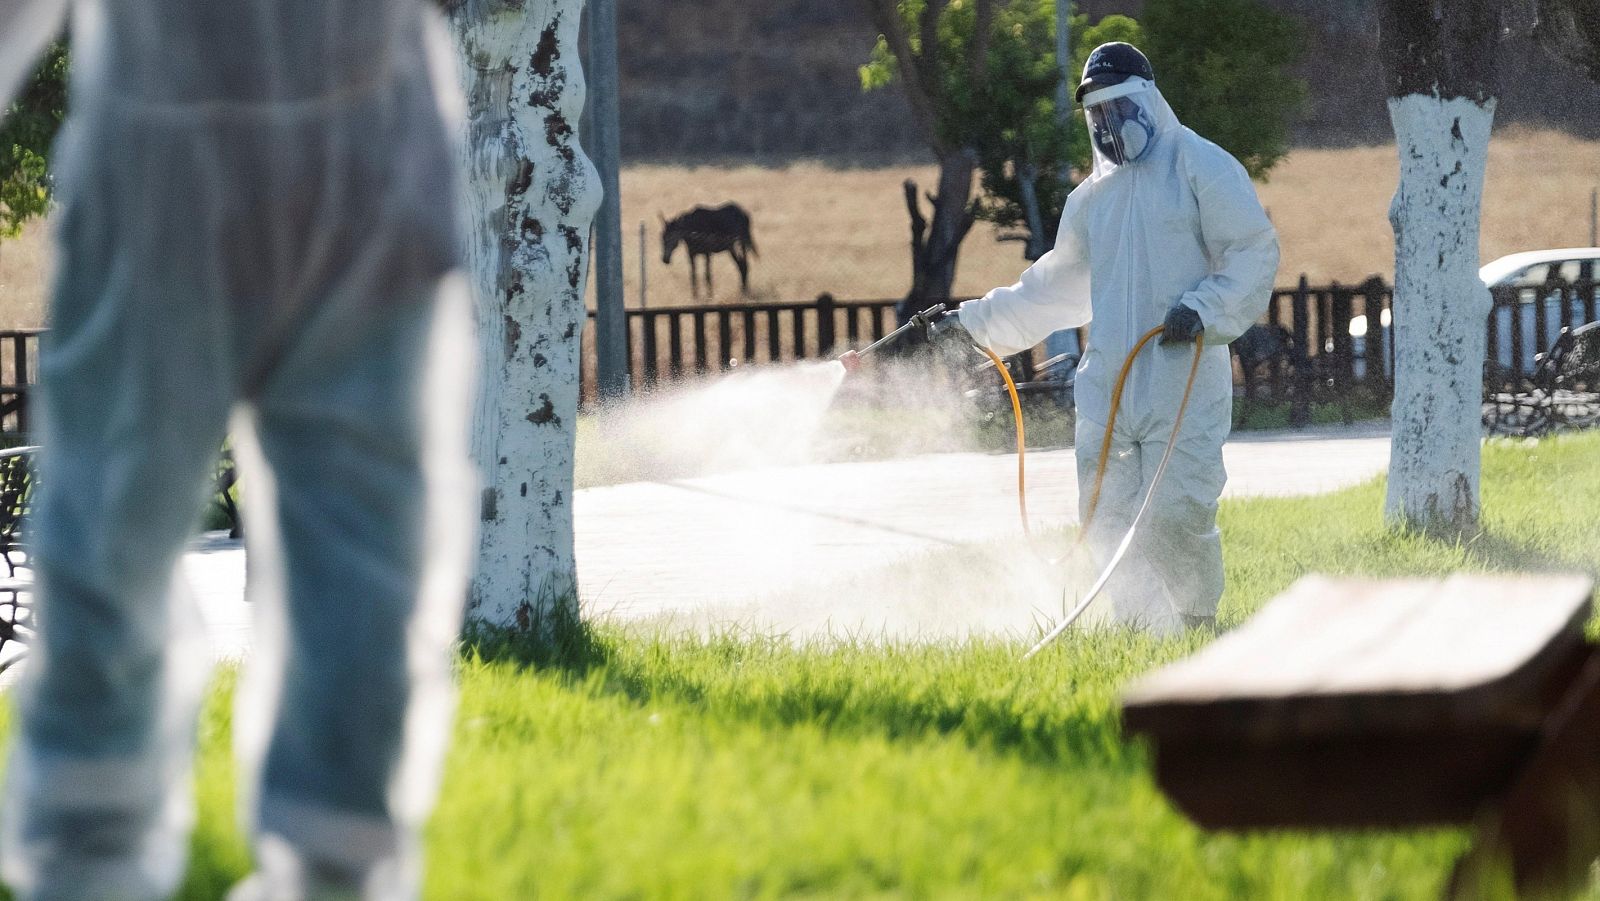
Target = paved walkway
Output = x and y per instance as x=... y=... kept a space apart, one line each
x=742 y=548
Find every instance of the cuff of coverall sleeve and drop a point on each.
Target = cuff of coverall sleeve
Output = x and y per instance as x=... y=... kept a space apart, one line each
x=1188 y=300
x=969 y=319
x=1214 y=337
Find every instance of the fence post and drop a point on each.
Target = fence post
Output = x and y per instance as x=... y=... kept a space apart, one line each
x=878 y=329
x=652 y=360
x=700 y=355
x=774 y=335
x=1513 y=296
x=825 y=324
x=1376 y=350
x=19 y=359
x=1301 y=414
x=1343 y=310
x=724 y=338
x=675 y=344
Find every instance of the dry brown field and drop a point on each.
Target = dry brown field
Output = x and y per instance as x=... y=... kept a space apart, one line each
x=844 y=230
x=24 y=273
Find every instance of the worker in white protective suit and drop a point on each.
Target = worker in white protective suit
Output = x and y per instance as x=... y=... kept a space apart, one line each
x=257 y=217
x=1166 y=231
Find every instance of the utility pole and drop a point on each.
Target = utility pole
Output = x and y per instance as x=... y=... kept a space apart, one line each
x=611 y=318
x=644 y=287
x=1594 y=217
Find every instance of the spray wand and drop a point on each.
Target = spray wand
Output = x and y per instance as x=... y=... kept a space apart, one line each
x=851 y=358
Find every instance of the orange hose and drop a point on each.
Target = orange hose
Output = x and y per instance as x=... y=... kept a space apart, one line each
x=1105 y=443
x=1022 y=442
x=1111 y=420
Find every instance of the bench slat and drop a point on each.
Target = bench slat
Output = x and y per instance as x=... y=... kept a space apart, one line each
x=1355 y=702
x=1408 y=654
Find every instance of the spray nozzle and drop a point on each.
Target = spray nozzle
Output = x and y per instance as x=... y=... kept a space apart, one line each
x=921 y=324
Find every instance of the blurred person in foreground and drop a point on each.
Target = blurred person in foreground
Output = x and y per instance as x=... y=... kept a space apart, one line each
x=1166 y=232
x=257 y=223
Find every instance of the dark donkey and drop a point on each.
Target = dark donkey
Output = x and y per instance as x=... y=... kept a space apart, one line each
x=705 y=231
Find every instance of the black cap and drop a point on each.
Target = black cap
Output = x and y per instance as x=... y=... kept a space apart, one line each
x=1111 y=64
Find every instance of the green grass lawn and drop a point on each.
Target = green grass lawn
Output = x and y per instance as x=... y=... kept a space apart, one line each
x=626 y=766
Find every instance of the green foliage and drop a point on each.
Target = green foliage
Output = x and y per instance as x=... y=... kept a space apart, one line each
x=1223 y=64
x=1008 y=116
x=1224 y=67
x=1023 y=132
x=29 y=126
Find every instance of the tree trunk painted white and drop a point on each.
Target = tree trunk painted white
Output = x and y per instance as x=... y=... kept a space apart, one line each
x=1440 y=308
x=530 y=196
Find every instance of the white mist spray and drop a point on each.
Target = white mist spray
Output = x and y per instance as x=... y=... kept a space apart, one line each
x=746 y=419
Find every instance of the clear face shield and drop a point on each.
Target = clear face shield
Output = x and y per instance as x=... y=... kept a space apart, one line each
x=1122 y=121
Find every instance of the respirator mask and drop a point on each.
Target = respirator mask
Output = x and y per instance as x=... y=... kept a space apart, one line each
x=1120 y=125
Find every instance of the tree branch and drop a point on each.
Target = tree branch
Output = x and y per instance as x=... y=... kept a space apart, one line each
x=928 y=28
x=984 y=11
x=886 y=18
x=919 y=225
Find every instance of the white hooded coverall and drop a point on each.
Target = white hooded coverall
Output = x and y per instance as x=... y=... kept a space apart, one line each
x=1178 y=225
x=257 y=215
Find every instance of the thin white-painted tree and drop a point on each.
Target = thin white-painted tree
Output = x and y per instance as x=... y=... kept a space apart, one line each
x=530 y=196
x=1440 y=64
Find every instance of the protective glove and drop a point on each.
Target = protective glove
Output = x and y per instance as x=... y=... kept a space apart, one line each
x=942 y=328
x=1183 y=325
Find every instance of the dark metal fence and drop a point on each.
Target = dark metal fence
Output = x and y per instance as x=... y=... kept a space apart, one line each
x=1327 y=341
x=19 y=371
x=1526 y=320
x=1320 y=342
x=670 y=343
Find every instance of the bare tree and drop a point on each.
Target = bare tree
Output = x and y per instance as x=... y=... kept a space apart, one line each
x=1440 y=64
x=924 y=76
x=531 y=194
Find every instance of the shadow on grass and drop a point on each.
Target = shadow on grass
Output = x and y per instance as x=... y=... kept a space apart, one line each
x=967 y=693
x=554 y=638
x=1501 y=554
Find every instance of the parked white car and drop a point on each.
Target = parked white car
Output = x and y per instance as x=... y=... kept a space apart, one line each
x=1526 y=274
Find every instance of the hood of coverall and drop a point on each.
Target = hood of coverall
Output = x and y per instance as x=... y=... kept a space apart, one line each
x=1146 y=249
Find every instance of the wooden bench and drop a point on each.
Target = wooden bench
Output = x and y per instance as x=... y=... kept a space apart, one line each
x=1353 y=703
